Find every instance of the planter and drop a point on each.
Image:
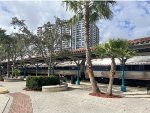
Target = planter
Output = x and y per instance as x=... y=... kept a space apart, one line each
x=55 y=88
x=13 y=79
x=3 y=90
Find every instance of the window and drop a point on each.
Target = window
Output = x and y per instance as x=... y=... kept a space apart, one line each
x=118 y=68
x=101 y=68
x=128 y=67
x=147 y=67
x=135 y=67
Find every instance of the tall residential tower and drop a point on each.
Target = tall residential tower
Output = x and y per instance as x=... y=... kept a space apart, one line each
x=78 y=35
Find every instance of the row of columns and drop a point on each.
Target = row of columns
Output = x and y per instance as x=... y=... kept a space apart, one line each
x=78 y=63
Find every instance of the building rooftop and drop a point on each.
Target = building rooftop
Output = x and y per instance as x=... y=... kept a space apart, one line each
x=140 y=40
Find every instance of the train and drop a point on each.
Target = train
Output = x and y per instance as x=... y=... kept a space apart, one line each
x=136 y=68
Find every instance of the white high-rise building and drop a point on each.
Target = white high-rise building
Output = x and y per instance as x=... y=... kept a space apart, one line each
x=39 y=31
x=78 y=35
x=65 y=42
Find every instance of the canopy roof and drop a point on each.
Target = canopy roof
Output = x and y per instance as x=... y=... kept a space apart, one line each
x=137 y=60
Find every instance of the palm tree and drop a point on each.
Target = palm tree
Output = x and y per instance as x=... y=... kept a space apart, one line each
x=89 y=11
x=112 y=50
x=124 y=53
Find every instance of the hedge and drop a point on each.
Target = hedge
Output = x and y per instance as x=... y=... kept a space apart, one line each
x=36 y=82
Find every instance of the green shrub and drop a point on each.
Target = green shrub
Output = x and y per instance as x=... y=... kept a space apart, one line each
x=36 y=82
x=17 y=72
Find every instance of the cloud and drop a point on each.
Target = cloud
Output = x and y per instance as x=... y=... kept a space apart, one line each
x=36 y=13
x=130 y=20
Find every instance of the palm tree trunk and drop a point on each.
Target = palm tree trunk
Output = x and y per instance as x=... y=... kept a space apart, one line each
x=87 y=48
x=111 y=78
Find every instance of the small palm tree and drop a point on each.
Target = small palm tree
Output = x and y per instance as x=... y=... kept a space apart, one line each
x=89 y=11
x=111 y=50
x=124 y=53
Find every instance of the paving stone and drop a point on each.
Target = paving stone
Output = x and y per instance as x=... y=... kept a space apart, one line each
x=77 y=100
x=21 y=103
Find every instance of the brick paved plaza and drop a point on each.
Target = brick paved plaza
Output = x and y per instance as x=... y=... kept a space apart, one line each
x=75 y=100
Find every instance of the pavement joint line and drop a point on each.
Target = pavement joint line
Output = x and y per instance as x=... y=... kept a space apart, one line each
x=8 y=104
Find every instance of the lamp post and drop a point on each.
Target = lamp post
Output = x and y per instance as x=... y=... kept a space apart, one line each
x=123 y=87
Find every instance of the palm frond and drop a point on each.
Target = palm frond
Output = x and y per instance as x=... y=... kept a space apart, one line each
x=74 y=6
x=75 y=19
x=93 y=17
x=102 y=8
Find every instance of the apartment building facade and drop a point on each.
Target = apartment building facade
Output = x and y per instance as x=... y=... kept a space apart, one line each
x=76 y=33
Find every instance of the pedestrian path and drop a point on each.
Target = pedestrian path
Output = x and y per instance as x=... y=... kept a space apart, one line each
x=21 y=103
x=75 y=99
x=3 y=102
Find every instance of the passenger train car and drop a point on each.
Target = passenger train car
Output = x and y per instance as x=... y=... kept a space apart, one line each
x=137 y=68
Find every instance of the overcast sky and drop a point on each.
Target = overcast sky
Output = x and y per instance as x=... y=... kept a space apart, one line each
x=131 y=19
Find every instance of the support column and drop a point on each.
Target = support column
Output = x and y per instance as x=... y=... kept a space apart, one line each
x=123 y=87
x=53 y=70
x=36 y=69
x=78 y=74
x=12 y=71
x=24 y=73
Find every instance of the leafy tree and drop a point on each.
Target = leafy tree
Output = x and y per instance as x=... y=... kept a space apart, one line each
x=89 y=11
x=5 y=41
x=112 y=50
x=17 y=49
x=47 y=42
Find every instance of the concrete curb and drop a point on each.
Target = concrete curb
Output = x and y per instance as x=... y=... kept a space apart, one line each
x=55 y=88
x=13 y=79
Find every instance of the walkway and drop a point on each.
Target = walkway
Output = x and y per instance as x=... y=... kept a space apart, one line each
x=21 y=103
x=3 y=102
x=77 y=100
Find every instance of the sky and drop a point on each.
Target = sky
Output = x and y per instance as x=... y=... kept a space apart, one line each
x=131 y=19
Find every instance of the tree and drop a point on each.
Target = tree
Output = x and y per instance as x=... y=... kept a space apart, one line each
x=47 y=42
x=89 y=11
x=18 y=49
x=12 y=47
x=124 y=53
x=5 y=41
x=112 y=50
x=2 y=51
